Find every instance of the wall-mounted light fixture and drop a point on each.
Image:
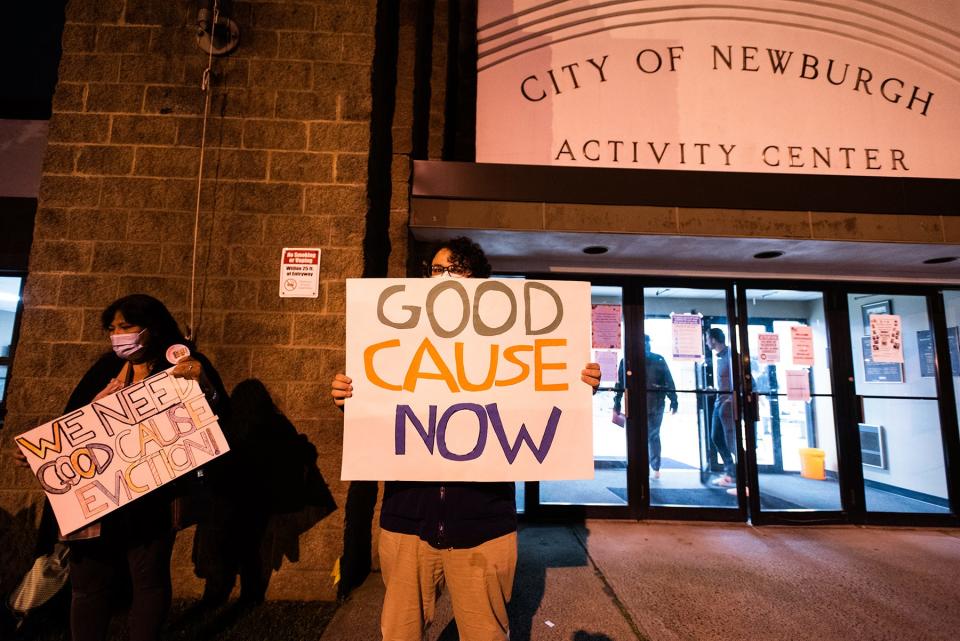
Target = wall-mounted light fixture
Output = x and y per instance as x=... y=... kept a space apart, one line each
x=217 y=32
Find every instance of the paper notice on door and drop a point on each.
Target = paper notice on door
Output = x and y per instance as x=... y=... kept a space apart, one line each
x=798 y=385
x=687 y=337
x=801 y=342
x=886 y=338
x=769 y=345
x=608 y=364
x=605 y=320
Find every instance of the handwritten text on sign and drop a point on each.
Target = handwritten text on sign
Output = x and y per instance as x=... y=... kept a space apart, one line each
x=467 y=379
x=118 y=449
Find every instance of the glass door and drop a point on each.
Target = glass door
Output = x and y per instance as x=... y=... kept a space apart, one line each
x=897 y=404
x=689 y=401
x=790 y=398
x=608 y=492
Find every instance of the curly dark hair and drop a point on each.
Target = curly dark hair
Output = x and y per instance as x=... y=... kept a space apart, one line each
x=149 y=313
x=466 y=253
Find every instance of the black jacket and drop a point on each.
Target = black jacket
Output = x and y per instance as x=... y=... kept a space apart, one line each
x=449 y=515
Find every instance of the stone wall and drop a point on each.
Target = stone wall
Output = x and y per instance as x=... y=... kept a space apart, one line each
x=285 y=165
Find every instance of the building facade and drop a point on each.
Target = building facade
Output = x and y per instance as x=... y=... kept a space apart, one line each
x=686 y=178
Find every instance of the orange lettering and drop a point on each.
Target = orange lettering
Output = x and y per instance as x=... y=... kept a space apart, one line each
x=368 y=364
x=539 y=365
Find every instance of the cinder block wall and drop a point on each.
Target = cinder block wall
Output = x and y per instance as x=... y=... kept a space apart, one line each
x=285 y=165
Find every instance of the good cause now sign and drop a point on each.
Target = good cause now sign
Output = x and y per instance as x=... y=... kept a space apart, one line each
x=467 y=380
x=115 y=450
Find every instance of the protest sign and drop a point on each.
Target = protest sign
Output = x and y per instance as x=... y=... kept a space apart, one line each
x=467 y=380
x=120 y=448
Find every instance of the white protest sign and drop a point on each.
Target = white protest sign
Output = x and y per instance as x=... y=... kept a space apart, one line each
x=300 y=272
x=886 y=338
x=467 y=380
x=769 y=347
x=120 y=448
x=687 y=337
x=801 y=344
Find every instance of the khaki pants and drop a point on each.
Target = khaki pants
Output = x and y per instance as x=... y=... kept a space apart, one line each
x=480 y=580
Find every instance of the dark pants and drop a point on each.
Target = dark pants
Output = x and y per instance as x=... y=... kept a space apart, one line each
x=229 y=544
x=654 y=420
x=97 y=565
x=722 y=433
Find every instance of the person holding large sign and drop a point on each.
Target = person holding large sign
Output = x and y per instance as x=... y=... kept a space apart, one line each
x=462 y=534
x=138 y=536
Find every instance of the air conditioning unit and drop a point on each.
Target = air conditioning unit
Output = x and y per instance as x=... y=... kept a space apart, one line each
x=872 y=446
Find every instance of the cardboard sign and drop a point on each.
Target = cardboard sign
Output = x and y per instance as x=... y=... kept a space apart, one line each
x=467 y=380
x=300 y=272
x=103 y=456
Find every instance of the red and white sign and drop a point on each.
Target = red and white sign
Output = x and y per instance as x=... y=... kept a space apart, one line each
x=300 y=272
x=769 y=348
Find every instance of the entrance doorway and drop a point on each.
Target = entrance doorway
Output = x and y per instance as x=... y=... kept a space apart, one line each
x=729 y=400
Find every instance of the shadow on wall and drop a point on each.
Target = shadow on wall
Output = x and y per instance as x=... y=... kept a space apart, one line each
x=256 y=519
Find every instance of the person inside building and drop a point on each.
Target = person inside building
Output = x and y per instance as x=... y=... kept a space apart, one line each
x=136 y=540
x=722 y=430
x=419 y=552
x=660 y=387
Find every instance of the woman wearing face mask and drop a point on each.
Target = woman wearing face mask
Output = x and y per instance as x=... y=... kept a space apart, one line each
x=139 y=537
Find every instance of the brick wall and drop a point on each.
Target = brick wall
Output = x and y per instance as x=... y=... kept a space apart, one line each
x=286 y=164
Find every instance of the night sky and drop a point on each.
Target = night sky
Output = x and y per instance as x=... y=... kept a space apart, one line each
x=30 y=32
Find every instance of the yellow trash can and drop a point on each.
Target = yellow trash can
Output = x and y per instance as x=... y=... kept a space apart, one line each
x=811 y=463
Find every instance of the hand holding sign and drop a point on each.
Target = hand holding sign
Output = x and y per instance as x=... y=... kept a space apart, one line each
x=341 y=389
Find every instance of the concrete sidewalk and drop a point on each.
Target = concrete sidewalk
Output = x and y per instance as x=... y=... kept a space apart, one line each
x=624 y=581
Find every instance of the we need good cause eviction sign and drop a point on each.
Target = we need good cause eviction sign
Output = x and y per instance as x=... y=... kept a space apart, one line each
x=115 y=450
x=467 y=380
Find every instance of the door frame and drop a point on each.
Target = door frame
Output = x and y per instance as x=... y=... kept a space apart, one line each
x=846 y=411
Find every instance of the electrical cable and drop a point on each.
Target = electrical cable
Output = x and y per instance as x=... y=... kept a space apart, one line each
x=205 y=87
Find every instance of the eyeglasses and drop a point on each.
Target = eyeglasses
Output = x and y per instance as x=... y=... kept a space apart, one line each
x=455 y=271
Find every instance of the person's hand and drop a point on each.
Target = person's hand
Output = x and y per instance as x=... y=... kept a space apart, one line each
x=591 y=375
x=673 y=407
x=19 y=458
x=189 y=368
x=341 y=389
x=112 y=387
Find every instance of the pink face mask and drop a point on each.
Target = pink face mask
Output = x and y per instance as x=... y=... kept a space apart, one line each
x=128 y=346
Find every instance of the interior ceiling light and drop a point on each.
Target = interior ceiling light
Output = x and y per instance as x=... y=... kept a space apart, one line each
x=769 y=254
x=940 y=260
x=595 y=249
